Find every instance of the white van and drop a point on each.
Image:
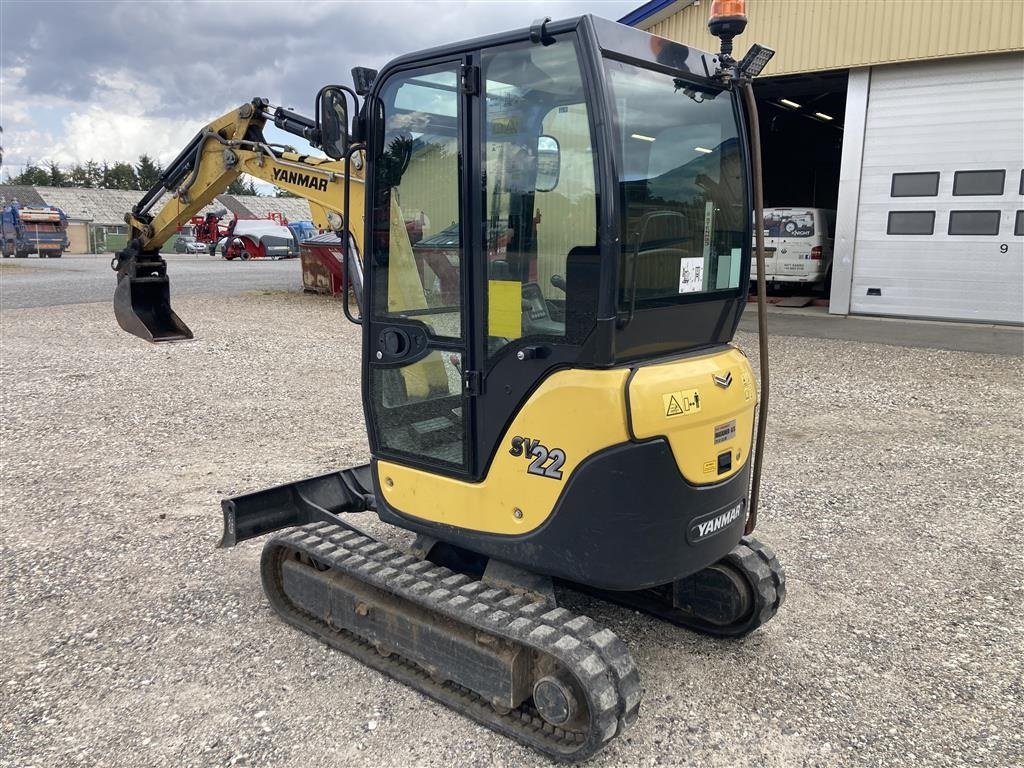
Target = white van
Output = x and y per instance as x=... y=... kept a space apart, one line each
x=797 y=246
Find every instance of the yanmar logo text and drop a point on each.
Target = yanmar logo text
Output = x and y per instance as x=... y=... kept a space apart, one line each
x=703 y=527
x=300 y=179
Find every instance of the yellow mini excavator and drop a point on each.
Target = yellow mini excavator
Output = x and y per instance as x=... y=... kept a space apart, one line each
x=551 y=230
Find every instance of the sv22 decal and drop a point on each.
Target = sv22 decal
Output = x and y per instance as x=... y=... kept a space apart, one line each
x=539 y=455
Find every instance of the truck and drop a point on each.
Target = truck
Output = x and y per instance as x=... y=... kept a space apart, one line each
x=302 y=230
x=33 y=229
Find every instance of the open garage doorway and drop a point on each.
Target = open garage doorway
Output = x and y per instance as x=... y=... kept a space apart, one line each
x=801 y=144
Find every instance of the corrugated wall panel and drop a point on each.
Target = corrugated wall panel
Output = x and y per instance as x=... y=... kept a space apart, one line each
x=815 y=35
x=942 y=116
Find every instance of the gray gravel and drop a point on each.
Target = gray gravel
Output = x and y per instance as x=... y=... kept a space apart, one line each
x=77 y=279
x=892 y=493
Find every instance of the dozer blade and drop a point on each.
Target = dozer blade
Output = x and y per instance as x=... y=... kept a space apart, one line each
x=329 y=498
x=142 y=299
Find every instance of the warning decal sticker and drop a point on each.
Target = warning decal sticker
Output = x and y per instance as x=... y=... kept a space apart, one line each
x=691 y=274
x=681 y=403
x=748 y=387
x=725 y=431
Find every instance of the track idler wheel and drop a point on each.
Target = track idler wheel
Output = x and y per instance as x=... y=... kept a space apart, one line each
x=556 y=701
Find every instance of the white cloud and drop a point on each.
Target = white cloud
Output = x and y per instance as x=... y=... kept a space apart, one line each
x=99 y=134
x=131 y=78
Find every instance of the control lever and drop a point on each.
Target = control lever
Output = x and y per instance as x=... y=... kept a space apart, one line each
x=559 y=282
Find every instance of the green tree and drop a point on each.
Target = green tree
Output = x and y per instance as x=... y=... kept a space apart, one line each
x=147 y=172
x=32 y=176
x=77 y=176
x=122 y=176
x=89 y=175
x=242 y=185
x=57 y=176
x=93 y=173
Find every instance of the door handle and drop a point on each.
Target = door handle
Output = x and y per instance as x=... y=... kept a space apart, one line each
x=534 y=352
x=400 y=345
x=393 y=344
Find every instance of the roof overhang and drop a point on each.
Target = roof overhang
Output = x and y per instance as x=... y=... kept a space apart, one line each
x=654 y=11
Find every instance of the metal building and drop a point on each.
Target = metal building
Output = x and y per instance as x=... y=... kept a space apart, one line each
x=907 y=117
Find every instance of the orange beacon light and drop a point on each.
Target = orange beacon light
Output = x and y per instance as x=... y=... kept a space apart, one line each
x=727 y=19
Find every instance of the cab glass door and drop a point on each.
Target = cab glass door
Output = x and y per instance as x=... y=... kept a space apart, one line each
x=417 y=328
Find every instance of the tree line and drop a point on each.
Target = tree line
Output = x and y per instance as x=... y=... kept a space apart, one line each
x=144 y=174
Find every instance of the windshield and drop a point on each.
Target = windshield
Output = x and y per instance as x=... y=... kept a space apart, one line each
x=682 y=186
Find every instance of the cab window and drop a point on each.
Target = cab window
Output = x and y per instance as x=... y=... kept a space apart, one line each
x=682 y=188
x=540 y=201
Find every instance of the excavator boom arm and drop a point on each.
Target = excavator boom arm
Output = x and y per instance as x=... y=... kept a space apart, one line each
x=230 y=145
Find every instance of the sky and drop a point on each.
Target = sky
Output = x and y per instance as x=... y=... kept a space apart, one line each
x=109 y=81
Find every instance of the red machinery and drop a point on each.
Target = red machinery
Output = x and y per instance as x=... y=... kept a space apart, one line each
x=245 y=238
x=209 y=230
x=322 y=270
x=259 y=238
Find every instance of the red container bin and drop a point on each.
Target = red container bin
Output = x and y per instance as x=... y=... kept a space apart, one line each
x=322 y=264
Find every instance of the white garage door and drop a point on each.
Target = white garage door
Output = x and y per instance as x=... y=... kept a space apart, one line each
x=939 y=228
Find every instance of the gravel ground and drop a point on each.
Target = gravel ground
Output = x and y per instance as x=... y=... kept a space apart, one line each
x=892 y=493
x=76 y=279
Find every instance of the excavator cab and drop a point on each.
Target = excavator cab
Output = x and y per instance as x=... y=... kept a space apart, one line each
x=571 y=196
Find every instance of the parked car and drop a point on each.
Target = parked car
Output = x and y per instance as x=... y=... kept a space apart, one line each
x=798 y=245
x=189 y=245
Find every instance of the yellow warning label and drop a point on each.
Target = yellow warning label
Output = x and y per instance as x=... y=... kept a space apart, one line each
x=505 y=308
x=681 y=403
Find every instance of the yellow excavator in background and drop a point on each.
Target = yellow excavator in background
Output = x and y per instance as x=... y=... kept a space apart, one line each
x=554 y=227
x=229 y=146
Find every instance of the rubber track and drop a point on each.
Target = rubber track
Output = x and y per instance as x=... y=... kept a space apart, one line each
x=751 y=557
x=597 y=658
x=766 y=577
x=757 y=558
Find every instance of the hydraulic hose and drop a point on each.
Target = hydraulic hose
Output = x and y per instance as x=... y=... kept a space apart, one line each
x=762 y=301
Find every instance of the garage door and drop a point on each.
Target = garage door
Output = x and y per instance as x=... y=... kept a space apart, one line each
x=78 y=235
x=939 y=228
